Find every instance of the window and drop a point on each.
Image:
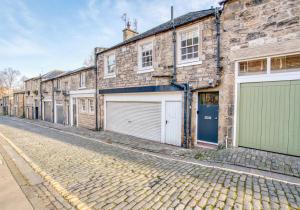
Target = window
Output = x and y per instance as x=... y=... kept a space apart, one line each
x=66 y=85
x=91 y=106
x=285 y=63
x=82 y=80
x=145 y=56
x=110 y=65
x=83 y=105
x=58 y=84
x=253 y=67
x=189 y=45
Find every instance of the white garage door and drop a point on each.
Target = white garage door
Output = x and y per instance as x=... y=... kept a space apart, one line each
x=140 y=119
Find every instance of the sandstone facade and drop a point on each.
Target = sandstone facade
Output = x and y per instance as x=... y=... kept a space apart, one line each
x=253 y=29
x=71 y=90
x=19 y=104
x=32 y=98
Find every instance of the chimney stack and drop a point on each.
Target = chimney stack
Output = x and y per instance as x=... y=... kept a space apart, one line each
x=128 y=32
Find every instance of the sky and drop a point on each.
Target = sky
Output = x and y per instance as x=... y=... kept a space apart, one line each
x=37 y=36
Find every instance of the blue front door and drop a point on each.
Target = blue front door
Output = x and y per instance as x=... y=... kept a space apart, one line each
x=208 y=111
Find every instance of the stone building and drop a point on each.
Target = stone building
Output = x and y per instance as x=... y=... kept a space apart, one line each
x=19 y=103
x=33 y=95
x=260 y=42
x=1 y=106
x=74 y=97
x=7 y=104
x=32 y=98
x=140 y=95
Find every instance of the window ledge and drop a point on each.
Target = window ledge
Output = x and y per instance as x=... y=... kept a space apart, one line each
x=191 y=63
x=107 y=76
x=145 y=70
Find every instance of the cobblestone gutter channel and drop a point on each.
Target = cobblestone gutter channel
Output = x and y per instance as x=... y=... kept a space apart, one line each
x=106 y=177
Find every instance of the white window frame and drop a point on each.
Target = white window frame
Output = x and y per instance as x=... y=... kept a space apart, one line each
x=82 y=80
x=106 y=74
x=81 y=106
x=146 y=69
x=269 y=75
x=193 y=61
x=89 y=106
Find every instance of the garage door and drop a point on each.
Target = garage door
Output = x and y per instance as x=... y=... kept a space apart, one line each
x=269 y=116
x=59 y=114
x=140 y=119
x=47 y=111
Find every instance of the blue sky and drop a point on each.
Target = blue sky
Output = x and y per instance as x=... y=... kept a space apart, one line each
x=37 y=36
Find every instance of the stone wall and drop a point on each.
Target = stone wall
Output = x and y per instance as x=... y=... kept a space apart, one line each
x=254 y=28
x=197 y=75
x=71 y=82
x=32 y=94
x=19 y=108
x=86 y=119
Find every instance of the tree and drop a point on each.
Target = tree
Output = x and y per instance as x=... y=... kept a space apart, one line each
x=9 y=77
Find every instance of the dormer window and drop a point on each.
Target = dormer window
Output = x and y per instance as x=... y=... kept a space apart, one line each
x=110 y=65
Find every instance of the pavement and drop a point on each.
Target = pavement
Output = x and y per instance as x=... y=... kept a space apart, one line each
x=11 y=195
x=103 y=175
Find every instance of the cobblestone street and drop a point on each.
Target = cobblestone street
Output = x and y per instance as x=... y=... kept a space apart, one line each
x=107 y=177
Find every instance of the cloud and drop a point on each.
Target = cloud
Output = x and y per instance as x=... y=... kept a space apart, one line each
x=18 y=30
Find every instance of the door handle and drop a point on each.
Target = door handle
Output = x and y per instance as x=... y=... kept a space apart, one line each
x=166 y=122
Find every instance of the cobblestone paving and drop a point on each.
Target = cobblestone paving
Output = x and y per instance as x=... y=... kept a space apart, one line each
x=251 y=158
x=107 y=177
x=40 y=195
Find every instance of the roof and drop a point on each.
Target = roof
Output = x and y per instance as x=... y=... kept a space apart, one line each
x=75 y=71
x=49 y=75
x=179 y=21
x=52 y=74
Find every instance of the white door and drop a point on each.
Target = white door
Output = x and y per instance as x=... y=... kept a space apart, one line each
x=140 y=119
x=173 y=123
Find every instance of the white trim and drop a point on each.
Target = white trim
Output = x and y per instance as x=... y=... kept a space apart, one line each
x=82 y=92
x=206 y=142
x=268 y=77
x=106 y=74
x=161 y=97
x=194 y=61
x=141 y=69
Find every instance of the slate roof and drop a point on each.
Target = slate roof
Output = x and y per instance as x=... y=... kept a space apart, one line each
x=75 y=71
x=52 y=74
x=179 y=21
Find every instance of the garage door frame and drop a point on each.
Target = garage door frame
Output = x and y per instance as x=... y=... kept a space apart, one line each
x=161 y=97
x=268 y=77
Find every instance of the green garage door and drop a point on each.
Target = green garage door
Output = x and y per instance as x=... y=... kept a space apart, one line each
x=269 y=116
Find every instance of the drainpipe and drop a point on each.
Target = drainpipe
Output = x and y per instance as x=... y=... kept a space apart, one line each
x=184 y=87
x=41 y=98
x=215 y=83
x=52 y=101
x=217 y=21
x=96 y=87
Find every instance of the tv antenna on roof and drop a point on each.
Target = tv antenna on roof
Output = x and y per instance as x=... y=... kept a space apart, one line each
x=135 y=24
x=124 y=18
